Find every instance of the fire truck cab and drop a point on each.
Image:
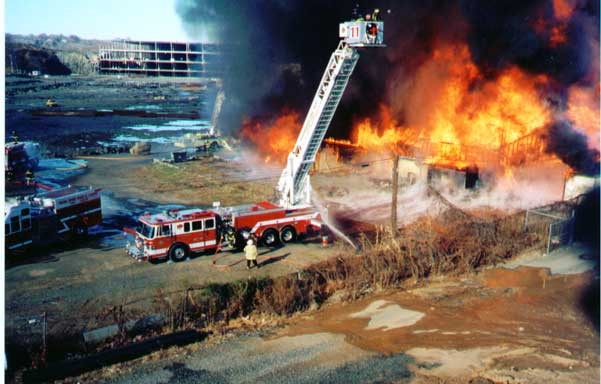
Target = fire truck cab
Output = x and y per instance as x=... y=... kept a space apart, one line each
x=174 y=234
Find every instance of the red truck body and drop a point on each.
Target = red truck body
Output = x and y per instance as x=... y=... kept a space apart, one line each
x=51 y=215
x=176 y=233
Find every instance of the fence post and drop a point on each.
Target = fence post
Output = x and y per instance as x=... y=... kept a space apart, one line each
x=572 y=222
x=395 y=189
x=549 y=239
x=185 y=307
x=44 y=330
x=526 y=220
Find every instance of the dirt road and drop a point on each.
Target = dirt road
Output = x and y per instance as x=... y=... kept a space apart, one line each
x=81 y=282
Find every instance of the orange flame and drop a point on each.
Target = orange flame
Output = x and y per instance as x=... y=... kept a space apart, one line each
x=381 y=134
x=273 y=138
x=562 y=9
x=583 y=111
x=451 y=109
x=558 y=35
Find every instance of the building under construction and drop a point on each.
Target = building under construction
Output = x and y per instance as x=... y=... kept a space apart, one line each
x=161 y=58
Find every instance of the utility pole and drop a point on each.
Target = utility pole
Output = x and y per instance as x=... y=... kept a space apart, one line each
x=395 y=189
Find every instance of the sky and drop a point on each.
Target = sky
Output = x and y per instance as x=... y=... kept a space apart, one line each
x=95 y=19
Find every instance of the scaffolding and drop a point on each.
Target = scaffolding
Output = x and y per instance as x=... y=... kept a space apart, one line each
x=159 y=58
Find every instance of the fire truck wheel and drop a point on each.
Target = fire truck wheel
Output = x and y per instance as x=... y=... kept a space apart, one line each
x=240 y=239
x=178 y=252
x=287 y=235
x=270 y=237
x=80 y=230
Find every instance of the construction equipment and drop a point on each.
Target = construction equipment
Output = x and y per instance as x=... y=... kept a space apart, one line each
x=294 y=186
x=21 y=157
x=212 y=140
x=175 y=234
x=50 y=103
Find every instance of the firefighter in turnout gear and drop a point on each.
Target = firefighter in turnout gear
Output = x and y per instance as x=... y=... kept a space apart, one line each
x=29 y=177
x=250 y=251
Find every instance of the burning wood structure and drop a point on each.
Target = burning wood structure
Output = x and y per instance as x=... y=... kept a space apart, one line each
x=527 y=149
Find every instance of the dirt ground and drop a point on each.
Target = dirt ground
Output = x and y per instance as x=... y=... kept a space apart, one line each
x=523 y=325
x=73 y=286
x=195 y=183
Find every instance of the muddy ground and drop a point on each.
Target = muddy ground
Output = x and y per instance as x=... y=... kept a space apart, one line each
x=520 y=325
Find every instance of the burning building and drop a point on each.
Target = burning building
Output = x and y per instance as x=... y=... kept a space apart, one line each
x=462 y=85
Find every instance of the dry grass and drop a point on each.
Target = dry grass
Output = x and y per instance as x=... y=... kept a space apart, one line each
x=453 y=243
x=202 y=182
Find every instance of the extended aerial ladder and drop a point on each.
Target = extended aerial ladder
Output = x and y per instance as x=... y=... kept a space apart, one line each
x=294 y=186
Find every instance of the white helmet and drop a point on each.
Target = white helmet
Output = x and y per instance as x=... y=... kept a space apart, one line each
x=249 y=242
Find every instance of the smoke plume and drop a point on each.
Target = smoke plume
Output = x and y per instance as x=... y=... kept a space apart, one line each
x=572 y=148
x=279 y=48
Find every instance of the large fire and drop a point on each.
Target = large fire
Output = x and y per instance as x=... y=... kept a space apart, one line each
x=451 y=106
x=451 y=112
x=273 y=138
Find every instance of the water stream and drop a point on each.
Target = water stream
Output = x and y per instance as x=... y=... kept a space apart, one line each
x=325 y=217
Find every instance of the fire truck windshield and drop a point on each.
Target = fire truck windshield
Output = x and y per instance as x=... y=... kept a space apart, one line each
x=147 y=231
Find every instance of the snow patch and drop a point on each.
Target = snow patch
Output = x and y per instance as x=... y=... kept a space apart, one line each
x=158 y=140
x=387 y=315
x=177 y=125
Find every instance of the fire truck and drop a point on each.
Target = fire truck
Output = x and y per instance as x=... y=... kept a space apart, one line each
x=174 y=234
x=50 y=216
x=20 y=157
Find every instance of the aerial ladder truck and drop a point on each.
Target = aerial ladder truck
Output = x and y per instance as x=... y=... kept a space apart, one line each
x=176 y=233
x=294 y=188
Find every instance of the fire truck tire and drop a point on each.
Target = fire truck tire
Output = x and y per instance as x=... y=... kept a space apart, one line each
x=80 y=230
x=270 y=237
x=240 y=239
x=178 y=252
x=157 y=261
x=288 y=234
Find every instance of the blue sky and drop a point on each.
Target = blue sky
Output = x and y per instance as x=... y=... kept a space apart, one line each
x=100 y=19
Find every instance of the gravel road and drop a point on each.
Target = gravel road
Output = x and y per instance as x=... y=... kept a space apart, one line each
x=314 y=358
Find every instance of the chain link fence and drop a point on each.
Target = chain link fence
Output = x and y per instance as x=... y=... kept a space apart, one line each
x=556 y=220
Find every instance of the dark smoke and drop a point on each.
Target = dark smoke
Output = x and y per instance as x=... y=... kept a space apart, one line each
x=572 y=148
x=280 y=49
x=503 y=33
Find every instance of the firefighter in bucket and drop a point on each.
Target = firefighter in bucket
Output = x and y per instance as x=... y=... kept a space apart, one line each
x=371 y=31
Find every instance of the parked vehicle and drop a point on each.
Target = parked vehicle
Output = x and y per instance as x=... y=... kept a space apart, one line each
x=177 y=233
x=50 y=216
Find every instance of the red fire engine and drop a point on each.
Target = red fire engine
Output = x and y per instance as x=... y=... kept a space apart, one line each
x=176 y=233
x=51 y=215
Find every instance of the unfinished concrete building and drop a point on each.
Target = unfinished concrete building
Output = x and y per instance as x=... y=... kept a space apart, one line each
x=161 y=58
